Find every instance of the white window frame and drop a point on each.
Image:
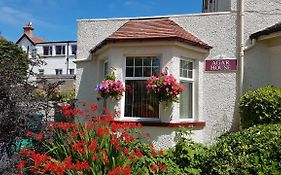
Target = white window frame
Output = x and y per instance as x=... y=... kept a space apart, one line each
x=127 y=118
x=41 y=72
x=189 y=80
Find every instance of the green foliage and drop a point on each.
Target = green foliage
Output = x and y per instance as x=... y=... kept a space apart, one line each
x=13 y=61
x=154 y=162
x=256 y=150
x=261 y=106
x=187 y=154
x=110 y=76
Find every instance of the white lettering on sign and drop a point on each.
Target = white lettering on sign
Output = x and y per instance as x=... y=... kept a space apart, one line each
x=220 y=65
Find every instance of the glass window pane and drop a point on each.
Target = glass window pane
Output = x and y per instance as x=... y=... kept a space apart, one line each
x=156 y=61
x=147 y=71
x=129 y=72
x=184 y=73
x=190 y=66
x=190 y=74
x=58 y=50
x=138 y=61
x=129 y=61
x=138 y=71
x=155 y=70
x=147 y=61
x=137 y=102
x=186 y=101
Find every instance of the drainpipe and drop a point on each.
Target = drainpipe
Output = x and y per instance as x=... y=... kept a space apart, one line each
x=240 y=33
x=67 y=58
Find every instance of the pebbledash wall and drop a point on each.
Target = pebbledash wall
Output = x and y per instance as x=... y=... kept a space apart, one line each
x=217 y=93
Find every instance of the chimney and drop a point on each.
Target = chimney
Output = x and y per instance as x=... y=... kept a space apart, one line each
x=28 y=29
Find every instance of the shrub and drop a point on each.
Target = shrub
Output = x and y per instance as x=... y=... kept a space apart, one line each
x=187 y=154
x=261 y=106
x=256 y=150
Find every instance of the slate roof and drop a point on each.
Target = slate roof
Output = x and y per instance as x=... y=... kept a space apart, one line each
x=161 y=29
x=267 y=31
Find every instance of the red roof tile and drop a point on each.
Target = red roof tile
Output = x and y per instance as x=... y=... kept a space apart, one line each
x=152 y=29
x=37 y=40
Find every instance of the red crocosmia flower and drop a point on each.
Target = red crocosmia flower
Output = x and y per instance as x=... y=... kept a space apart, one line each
x=105 y=159
x=95 y=156
x=161 y=152
x=93 y=145
x=82 y=165
x=20 y=165
x=39 y=136
x=153 y=152
x=127 y=170
x=162 y=166
x=116 y=171
x=126 y=151
x=139 y=153
x=153 y=168
x=28 y=134
x=90 y=126
x=94 y=107
x=65 y=107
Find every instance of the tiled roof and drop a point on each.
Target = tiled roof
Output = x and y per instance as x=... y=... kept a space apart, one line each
x=267 y=31
x=37 y=40
x=152 y=30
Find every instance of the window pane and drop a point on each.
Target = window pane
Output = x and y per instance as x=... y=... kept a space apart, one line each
x=129 y=61
x=147 y=71
x=156 y=61
x=138 y=72
x=137 y=102
x=190 y=65
x=129 y=72
x=138 y=61
x=147 y=61
x=58 y=50
x=190 y=74
x=63 y=50
x=155 y=70
x=186 y=101
x=73 y=49
x=184 y=73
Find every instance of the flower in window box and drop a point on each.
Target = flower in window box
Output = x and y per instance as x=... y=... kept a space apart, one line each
x=164 y=88
x=110 y=87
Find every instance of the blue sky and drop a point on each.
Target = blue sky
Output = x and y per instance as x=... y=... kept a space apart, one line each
x=55 y=20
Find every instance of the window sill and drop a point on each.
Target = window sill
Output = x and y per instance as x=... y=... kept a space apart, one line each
x=163 y=124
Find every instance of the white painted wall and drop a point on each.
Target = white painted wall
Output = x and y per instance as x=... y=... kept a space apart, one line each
x=52 y=61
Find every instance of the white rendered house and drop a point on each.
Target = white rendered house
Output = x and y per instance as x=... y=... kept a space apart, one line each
x=214 y=54
x=58 y=55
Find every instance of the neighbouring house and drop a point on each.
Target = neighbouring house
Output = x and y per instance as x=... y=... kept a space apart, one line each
x=214 y=54
x=57 y=55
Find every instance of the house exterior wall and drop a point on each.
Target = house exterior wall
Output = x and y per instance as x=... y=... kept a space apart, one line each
x=55 y=61
x=217 y=93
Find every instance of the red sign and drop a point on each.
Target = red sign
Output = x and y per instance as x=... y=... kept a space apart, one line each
x=221 y=65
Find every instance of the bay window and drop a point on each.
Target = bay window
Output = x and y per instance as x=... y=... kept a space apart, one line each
x=187 y=96
x=137 y=102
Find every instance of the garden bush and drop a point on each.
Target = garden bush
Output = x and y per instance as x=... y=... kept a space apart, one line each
x=261 y=106
x=187 y=154
x=256 y=150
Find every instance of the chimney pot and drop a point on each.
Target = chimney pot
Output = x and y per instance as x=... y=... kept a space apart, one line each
x=28 y=29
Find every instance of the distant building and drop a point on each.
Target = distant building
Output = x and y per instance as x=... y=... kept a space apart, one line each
x=58 y=55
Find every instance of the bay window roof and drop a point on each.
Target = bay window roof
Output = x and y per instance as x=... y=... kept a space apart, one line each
x=159 y=29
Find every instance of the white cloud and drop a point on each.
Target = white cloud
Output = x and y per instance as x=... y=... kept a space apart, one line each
x=137 y=4
x=15 y=17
